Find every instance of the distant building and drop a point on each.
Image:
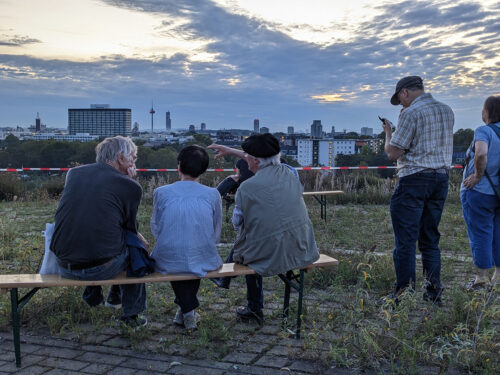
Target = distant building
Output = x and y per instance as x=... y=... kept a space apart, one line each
x=191 y=128
x=100 y=120
x=256 y=126
x=203 y=126
x=322 y=152
x=135 y=129
x=80 y=137
x=264 y=130
x=367 y=131
x=38 y=126
x=290 y=130
x=316 y=129
x=290 y=151
x=168 y=121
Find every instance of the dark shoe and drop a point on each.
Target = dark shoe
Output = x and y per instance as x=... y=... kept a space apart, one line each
x=245 y=313
x=221 y=282
x=134 y=321
x=433 y=295
x=93 y=295
x=472 y=286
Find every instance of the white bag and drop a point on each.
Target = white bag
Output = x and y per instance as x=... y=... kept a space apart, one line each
x=49 y=263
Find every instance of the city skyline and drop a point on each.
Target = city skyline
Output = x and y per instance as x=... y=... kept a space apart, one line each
x=226 y=63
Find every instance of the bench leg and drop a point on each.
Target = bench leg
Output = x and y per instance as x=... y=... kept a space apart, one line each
x=290 y=280
x=16 y=307
x=286 y=301
x=299 y=304
x=14 y=303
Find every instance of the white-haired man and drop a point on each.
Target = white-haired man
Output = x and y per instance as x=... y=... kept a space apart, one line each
x=98 y=208
x=275 y=232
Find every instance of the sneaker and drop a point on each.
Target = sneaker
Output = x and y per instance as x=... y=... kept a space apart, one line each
x=473 y=286
x=134 y=321
x=191 y=321
x=245 y=313
x=114 y=300
x=179 y=318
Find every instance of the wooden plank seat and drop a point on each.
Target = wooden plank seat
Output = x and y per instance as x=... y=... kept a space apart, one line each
x=13 y=282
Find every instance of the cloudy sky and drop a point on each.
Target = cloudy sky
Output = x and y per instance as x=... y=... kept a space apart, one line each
x=226 y=62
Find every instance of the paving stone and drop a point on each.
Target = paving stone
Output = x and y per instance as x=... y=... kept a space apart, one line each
x=305 y=366
x=281 y=350
x=7 y=356
x=57 y=371
x=122 y=371
x=48 y=341
x=97 y=368
x=272 y=361
x=140 y=364
x=94 y=357
x=253 y=347
x=239 y=357
x=58 y=352
x=33 y=370
x=66 y=364
x=192 y=370
x=99 y=339
x=118 y=342
x=107 y=350
x=26 y=361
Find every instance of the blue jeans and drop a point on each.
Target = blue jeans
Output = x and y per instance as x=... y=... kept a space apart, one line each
x=133 y=296
x=416 y=208
x=255 y=291
x=482 y=216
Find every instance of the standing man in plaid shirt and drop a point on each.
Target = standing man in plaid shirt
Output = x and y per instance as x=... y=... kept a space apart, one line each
x=423 y=147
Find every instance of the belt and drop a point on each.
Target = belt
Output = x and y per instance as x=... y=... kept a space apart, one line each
x=82 y=266
x=431 y=170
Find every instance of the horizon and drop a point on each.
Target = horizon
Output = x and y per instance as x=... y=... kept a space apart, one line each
x=225 y=62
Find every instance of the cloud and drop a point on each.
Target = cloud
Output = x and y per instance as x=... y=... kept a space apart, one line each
x=17 y=40
x=329 y=98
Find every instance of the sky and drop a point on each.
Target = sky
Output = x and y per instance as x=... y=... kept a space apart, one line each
x=226 y=62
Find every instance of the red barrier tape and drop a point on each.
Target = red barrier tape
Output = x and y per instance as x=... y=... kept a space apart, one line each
x=210 y=170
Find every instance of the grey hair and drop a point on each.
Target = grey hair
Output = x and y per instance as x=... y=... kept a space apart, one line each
x=271 y=160
x=110 y=148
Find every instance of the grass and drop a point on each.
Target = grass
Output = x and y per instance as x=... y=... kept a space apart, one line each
x=343 y=323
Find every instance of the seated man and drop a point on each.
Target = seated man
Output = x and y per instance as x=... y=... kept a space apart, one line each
x=97 y=208
x=275 y=233
x=231 y=183
x=186 y=222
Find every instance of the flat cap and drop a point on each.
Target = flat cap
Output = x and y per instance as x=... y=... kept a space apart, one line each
x=406 y=83
x=261 y=145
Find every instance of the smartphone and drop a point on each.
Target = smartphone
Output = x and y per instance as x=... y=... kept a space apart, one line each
x=382 y=119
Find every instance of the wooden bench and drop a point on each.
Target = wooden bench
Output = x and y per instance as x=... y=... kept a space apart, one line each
x=36 y=281
x=320 y=197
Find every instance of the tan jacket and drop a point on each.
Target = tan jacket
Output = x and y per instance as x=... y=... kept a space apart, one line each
x=276 y=235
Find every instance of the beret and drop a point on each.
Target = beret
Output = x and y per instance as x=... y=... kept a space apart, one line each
x=261 y=145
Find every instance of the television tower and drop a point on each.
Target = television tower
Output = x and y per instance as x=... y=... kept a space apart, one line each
x=152 y=111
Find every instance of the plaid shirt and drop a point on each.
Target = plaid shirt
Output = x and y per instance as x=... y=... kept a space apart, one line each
x=425 y=132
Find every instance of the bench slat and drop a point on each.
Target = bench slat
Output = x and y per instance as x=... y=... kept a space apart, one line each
x=227 y=269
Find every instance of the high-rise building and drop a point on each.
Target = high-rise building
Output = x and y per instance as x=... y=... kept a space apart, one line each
x=333 y=131
x=290 y=130
x=256 y=125
x=168 y=121
x=37 y=123
x=203 y=126
x=152 y=112
x=264 y=130
x=191 y=128
x=316 y=129
x=367 y=131
x=100 y=120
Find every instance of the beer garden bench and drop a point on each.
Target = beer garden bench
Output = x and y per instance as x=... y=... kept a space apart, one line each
x=13 y=282
x=320 y=197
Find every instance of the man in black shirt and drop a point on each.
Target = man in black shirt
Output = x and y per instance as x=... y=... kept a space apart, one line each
x=98 y=207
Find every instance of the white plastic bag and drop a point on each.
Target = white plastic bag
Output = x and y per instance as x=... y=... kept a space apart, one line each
x=49 y=264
